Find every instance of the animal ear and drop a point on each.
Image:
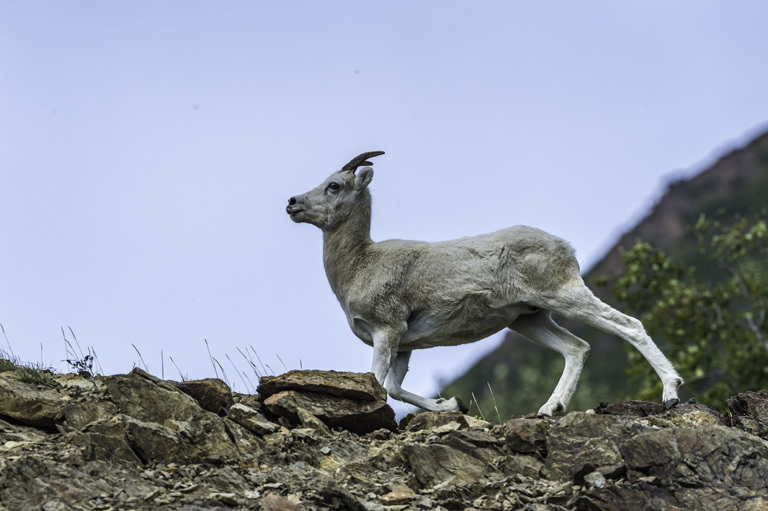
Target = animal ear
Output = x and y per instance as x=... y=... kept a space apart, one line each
x=363 y=177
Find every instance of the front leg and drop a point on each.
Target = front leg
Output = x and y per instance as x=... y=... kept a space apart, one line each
x=390 y=367
x=395 y=390
x=385 y=344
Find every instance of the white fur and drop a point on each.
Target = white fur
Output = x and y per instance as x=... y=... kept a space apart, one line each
x=404 y=295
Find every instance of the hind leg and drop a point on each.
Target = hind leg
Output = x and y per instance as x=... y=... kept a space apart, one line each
x=580 y=304
x=541 y=329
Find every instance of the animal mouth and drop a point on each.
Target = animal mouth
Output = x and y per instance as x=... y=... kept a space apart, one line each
x=294 y=212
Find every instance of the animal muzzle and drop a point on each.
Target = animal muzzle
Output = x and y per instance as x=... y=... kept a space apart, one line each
x=294 y=206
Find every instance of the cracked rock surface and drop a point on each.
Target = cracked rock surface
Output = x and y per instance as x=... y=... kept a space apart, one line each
x=317 y=440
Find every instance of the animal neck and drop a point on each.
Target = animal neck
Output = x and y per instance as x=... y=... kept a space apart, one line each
x=345 y=245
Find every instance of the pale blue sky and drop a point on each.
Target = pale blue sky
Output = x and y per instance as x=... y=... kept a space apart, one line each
x=147 y=151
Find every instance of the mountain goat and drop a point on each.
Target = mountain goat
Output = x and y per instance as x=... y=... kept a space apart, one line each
x=404 y=295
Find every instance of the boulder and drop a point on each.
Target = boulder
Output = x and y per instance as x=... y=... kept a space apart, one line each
x=358 y=386
x=752 y=406
x=360 y=417
x=351 y=401
x=211 y=393
x=527 y=435
x=579 y=443
x=696 y=458
x=106 y=440
x=147 y=400
x=439 y=464
x=155 y=443
x=27 y=404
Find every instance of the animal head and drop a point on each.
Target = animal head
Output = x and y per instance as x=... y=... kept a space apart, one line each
x=328 y=205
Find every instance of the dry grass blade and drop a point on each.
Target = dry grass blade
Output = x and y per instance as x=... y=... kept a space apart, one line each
x=146 y=368
x=211 y=357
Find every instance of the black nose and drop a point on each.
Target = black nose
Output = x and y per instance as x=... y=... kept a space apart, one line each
x=292 y=201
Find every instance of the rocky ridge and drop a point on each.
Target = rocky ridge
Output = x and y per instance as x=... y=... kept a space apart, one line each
x=325 y=440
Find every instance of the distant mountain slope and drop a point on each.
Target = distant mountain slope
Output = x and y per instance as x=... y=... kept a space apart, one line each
x=737 y=183
x=522 y=375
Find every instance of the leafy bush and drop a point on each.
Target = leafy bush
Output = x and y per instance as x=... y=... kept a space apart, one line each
x=710 y=320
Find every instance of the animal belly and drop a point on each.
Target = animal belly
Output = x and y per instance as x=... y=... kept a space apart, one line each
x=427 y=329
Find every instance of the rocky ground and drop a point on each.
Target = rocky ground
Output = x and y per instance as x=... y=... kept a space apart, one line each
x=324 y=440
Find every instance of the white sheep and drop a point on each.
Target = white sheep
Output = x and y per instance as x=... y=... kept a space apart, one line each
x=404 y=295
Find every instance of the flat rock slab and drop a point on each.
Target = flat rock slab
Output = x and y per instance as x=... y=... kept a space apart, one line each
x=361 y=386
x=432 y=420
x=251 y=419
x=360 y=417
x=631 y=408
x=692 y=412
x=25 y=403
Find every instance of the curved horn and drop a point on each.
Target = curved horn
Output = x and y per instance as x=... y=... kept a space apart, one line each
x=359 y=161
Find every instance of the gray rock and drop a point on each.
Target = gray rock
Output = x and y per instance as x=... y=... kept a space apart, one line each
x=431 y=420
x=252 y=420
x=439 y=464
x=27 y=404
x=275 y=502
x=154 y=442
x=19 y=433
x=709 y=456
x=595 y=480
x=106 y=440
x=336 y=412
x=147 y=398
x=630 y=408
x=196 y=433
x=247 y=444
x=580 y=442
x=79 y=414
x=211 y=393
x=528 y=466
x=752 y=405
x=360 y=386
x=526 y=435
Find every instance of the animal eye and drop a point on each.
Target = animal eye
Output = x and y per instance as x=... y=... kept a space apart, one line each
x=333 y=187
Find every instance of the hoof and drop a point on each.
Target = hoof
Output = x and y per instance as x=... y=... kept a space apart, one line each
x=669 y=403
x=549 y=410
x=462 y=407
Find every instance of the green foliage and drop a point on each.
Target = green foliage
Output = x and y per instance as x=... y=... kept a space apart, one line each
x=25 y=371
x=6 y=365
x=711 y=324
